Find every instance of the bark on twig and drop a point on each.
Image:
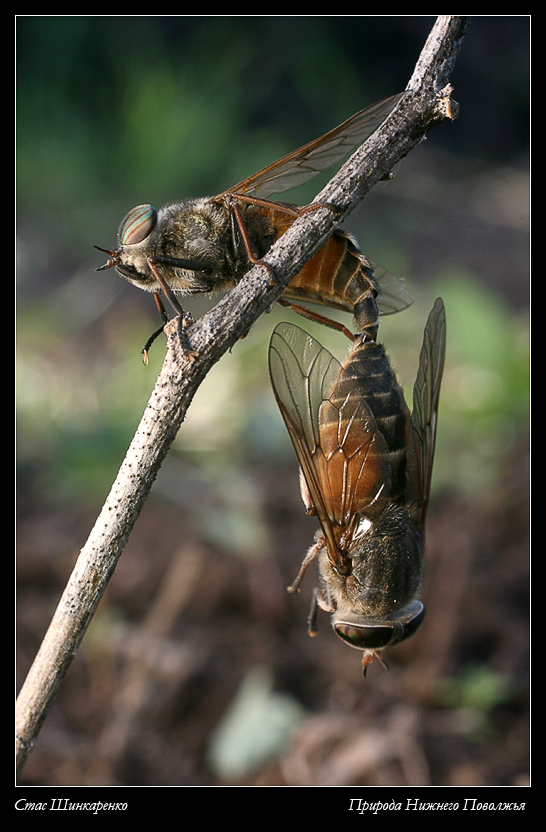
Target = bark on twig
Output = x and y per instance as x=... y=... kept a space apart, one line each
x=427 y=102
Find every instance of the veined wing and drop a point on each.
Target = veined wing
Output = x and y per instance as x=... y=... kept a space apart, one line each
x=303 y=164
x=426 y=395
x=339 y=447
x=393 y=295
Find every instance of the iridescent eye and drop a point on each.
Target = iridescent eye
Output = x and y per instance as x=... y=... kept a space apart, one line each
x=410 y=627
x=370 y=638
x=367 y=636
x=137 y=225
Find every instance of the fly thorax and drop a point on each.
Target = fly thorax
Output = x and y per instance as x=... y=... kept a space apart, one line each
x=194 y=231
x=387 y=563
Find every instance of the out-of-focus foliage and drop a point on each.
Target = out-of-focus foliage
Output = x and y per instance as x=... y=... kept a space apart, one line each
x=256 y=727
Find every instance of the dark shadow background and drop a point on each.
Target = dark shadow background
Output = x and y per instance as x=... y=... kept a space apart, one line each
x=197 y=669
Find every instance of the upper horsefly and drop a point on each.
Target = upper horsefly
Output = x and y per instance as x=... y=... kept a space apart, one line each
x=207 y=244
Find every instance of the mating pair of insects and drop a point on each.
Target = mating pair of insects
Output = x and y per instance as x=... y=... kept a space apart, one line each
x=365 y=462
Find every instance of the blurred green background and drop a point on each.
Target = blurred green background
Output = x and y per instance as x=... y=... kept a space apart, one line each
x=113 y=111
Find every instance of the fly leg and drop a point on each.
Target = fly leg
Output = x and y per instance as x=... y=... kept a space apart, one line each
x=316 y=602
x=157 y=333
x=236 y=212
x=184 y=318
x=309 y=558
x=233 y=201
x=321 y=319
x=368 y=658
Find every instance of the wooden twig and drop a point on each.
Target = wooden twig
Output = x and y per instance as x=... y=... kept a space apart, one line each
x=427 y=102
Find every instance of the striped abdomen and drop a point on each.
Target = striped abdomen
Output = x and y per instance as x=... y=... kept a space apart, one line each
x=367 y=385
x=339 y=276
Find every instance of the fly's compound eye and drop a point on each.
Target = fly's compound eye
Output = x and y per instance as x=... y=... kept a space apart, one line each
x=364 y=638
x=368 y=636
x=137 y=225
x=404 y=630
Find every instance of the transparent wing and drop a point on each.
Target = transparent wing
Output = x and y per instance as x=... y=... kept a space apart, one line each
x=302 y=372
x=393 y=295
x=339 y=447
x=426 y=395
x=303 y=164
